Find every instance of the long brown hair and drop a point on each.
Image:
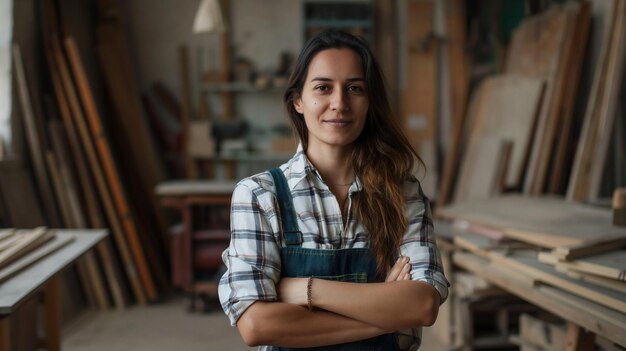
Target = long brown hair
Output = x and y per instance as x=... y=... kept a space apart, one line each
x=382 y=157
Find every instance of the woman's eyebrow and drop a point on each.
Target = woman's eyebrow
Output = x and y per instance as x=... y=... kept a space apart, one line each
x=324 y=79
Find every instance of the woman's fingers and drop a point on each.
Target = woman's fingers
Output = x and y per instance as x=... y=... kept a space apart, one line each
x=399 y=269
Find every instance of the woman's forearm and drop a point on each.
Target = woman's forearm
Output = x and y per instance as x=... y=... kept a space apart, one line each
x=390 y=306
x=288 y=325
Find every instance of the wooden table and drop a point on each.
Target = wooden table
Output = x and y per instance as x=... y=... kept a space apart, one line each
x=43 y=277
x=183 y=195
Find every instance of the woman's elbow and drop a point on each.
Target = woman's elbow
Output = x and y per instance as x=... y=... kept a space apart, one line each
x=249 y=331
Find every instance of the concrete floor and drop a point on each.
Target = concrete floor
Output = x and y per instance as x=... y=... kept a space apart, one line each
x=165 y=326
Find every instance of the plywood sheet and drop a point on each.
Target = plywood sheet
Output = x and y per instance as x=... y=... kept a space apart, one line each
x=542 y=221
x=508 y=109
x=483 y=168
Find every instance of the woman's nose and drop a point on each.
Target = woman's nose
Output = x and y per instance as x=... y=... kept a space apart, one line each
x=339 y=100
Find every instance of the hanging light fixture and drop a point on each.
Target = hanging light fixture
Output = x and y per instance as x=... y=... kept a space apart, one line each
x=209 y=18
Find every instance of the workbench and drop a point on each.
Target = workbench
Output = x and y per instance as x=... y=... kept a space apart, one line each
x=43 y=277
x=183 y=196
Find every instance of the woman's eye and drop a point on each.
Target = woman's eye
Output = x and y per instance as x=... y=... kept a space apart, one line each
x=322 y=88
x=355 y=89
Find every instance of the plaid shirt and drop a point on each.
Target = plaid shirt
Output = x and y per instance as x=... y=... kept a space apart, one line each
x=253 y=257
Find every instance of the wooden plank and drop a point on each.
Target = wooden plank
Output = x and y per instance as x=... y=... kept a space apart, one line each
x=17 y=266
x=543 y=335
x=34 y=140
x=609 y=264
x=454 y=153
x=483 y=169
x=545 y=221
x=28 y=240
x=608 y=283
x=508 y=109
x=87 y=188
x=420 y=94
x=579 y=339
x=61 y=71
x=609 y=101
x=90 y=275
x=597 y=318
x=528 y=263
x=590 y=247
x=577 y=189
x=140 y=166
x=110 y=169
x=575 y=54
x=185 y=110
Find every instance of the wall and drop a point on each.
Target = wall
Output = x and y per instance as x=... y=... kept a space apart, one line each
x=260 y=31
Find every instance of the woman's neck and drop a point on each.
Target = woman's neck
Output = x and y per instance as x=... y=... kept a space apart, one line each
x=333 y=164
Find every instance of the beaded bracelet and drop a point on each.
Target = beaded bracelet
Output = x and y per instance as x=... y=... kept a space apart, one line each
x=309 y=284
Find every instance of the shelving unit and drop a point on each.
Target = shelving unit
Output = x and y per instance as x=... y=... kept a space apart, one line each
x=354 y=16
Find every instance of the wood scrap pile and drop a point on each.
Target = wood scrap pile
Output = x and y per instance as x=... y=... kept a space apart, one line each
x=520 y=133
x=92 y=159
x=19 y=249
x=563 y=256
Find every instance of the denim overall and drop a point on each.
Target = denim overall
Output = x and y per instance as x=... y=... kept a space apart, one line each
x=349 y=265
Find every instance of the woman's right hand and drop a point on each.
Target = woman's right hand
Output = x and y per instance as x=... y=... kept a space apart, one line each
x=401 y=270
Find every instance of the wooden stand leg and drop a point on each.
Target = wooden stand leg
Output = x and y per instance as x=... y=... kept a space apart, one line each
x=5 y=333
x=579 y=339
x=53 y=314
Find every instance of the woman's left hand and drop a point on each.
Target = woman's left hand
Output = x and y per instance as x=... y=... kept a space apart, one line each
x=293 y=291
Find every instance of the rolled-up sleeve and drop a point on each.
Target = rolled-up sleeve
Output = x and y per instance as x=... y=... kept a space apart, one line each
x=252 y=258
x=419 y=242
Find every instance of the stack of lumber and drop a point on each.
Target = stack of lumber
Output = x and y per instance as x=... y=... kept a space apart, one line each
x=83 y=177
x=519 y=130
x=566 y=257
x=19 y=249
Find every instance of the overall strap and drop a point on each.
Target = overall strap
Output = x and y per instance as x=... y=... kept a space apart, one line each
x=291 y=231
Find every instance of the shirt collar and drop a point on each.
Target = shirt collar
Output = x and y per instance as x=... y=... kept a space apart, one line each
x=299 y=168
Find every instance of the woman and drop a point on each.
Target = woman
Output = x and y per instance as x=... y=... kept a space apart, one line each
x=345 y=210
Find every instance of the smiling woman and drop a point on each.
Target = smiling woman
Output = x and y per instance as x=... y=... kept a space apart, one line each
x=319 y=244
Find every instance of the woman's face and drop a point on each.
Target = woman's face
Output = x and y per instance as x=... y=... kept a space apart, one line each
x=334 y=99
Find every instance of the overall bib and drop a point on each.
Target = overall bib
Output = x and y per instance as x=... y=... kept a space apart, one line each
x=349 y=265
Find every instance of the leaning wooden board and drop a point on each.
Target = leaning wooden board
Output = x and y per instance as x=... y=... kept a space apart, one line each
x=508 y=109
x=101 y=143
x=543 y=221
x=76 y=126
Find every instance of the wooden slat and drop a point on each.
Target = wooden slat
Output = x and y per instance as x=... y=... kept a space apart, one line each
x=11 y=270
x=590 y=247
x=545 y=222
x=609 y=102
x=609 y=264
x=185 y=110
x=527 y=262
x=86 y=264
x=578 y=185
x=576 y=51
x=36 y=149
x=597 y=318
x=110 y=169
x=28 y=240
x=61 y=71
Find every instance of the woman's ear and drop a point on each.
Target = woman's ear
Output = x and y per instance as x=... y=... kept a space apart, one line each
x=297 y=103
